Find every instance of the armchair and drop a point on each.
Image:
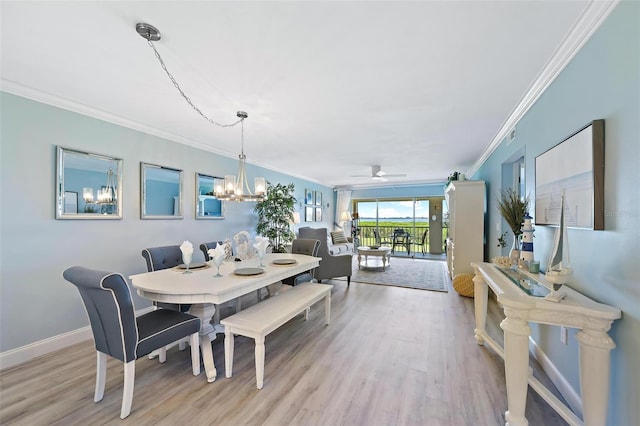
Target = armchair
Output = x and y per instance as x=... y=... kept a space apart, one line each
x=331 y=266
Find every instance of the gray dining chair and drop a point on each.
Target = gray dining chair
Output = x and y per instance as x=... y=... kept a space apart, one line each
x=306 y=246
x=164 y=257
x=205 y=247
x=119 y=334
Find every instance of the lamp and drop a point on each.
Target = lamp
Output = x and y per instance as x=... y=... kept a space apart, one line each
x=106 y=195
x=344 y=218
x=230 y=188
x=234 y=189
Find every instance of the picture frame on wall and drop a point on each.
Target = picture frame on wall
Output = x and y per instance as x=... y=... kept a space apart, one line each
x=308 y=196
x=308 y=214
x=318 y=214
x=318 y=198
x=573 y=168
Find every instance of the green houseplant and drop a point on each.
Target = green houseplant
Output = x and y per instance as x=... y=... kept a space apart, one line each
x=275 y=215
x=513 y=208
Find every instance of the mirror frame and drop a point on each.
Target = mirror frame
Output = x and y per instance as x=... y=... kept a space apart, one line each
x=199 y=196
x=62 y=191
x=143 y=191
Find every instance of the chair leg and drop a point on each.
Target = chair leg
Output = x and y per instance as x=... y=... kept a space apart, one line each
x=127 y=393
x=101 y=375
x=194 y=342
x=162 y=355
x=348 y=280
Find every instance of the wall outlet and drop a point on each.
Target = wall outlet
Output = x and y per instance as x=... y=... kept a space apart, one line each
x=563 y=335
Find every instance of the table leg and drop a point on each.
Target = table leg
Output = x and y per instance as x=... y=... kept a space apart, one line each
x=516 y=367
x=384 y=262
x=206 y=311
x=595 y=348
x=481 y=292
x=359 y=260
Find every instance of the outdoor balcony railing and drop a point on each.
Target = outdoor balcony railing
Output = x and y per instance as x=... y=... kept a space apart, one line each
x=366 y=237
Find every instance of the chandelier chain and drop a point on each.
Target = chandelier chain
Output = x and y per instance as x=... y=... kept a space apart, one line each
x=186 y=98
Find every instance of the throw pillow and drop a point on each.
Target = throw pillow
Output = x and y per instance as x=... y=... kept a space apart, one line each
x=338 y=237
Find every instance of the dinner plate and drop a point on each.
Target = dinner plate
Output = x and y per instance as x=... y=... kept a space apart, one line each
x=197 y=265
x=248 y=271
x=285 y=262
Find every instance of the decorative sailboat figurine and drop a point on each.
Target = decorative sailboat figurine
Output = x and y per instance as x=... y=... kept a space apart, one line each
x=559 y=266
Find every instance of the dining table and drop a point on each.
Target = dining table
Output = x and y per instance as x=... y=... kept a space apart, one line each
x=203 y=289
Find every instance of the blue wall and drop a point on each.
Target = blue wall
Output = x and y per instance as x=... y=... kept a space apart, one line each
x=35 y=248
x=602 y=81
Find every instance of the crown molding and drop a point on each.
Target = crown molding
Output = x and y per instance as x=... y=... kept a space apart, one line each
x=592 y=17
x=69 y=105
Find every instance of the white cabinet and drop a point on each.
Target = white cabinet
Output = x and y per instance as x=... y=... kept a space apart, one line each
x=466 y=203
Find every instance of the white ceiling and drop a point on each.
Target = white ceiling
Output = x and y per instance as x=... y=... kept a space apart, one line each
x=331 y=88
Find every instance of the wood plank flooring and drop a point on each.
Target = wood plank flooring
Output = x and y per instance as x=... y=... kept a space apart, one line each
x=391 y=356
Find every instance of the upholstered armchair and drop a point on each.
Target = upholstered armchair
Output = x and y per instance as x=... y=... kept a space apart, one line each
x=331 y=266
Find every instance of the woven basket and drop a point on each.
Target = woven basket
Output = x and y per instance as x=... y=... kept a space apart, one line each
x=463 y=284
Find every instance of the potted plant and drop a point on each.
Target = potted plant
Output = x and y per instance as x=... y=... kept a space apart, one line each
x=513 y=209
x=275 y=215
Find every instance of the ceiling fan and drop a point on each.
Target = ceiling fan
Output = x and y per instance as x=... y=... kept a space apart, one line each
x=380 y=175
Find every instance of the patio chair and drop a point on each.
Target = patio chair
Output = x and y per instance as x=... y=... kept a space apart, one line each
x=401 y=238
x=379 y=241
x=423 y=241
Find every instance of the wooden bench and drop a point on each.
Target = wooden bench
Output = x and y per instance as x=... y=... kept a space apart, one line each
x=261 y=319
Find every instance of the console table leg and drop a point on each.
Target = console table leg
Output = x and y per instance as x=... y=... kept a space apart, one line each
x=516 y=368
x=481 y=295
x=595 y=349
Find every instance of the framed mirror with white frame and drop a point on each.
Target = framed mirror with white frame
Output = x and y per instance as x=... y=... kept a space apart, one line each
x=161 y=189
x=207 y=205
x=88 y=185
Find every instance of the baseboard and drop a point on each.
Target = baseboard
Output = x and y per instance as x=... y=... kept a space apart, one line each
x=564 y=387
x=28 y=352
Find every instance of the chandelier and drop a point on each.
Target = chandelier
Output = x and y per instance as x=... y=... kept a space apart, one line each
x=106 y=195
x=230 y=188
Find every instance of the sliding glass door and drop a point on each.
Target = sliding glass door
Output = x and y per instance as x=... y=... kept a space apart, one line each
x=379 y=220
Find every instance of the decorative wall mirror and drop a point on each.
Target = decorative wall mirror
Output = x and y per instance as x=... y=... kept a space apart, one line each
x=88 y=186
x=207 y=205
x=161 y=192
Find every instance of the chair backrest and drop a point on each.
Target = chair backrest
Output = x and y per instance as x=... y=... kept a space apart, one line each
x=205 y=247
x=319 y=234
x=424 y=235
x=164 y=257
x=305 y=246
x=107 y=300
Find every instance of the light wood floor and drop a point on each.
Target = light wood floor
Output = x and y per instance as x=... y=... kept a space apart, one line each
x=391 y=356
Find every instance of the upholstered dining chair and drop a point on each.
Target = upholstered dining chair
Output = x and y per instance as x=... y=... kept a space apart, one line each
x=205 y=247
x=164 y=257
x=303 y=246
x=119 y=334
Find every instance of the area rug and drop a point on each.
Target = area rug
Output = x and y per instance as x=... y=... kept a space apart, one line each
x=412 y=273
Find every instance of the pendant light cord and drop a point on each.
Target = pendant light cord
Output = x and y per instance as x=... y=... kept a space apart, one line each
x=186 y=98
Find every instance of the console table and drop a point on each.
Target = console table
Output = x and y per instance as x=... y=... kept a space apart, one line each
x=522 y=297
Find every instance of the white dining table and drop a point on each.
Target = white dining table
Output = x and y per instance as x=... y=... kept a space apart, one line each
x=203 y=290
